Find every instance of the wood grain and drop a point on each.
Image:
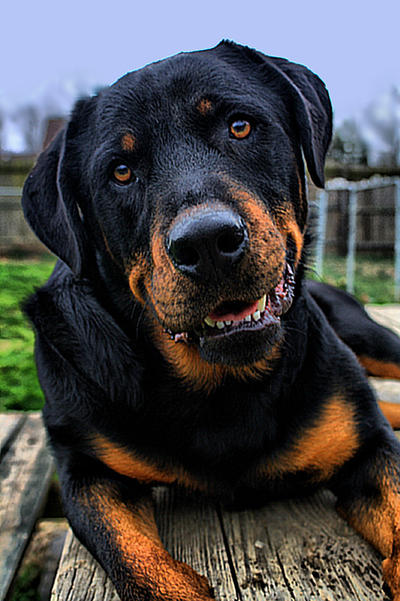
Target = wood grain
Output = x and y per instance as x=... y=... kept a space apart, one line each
x=25 y=473
x=301 y=549
x=293 y=550
x=10 y=423
x=79 y=576
x=386 y=315
x=190 y=529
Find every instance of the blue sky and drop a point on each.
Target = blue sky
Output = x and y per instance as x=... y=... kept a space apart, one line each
x=353 y=45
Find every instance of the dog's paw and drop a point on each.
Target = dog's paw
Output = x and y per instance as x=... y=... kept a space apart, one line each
x=391 y=575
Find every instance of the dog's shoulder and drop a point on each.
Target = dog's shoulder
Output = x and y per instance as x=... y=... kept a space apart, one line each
x=76 y=333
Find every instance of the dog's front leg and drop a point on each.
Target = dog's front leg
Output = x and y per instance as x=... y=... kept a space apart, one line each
x=113 y=518
x=368 y=490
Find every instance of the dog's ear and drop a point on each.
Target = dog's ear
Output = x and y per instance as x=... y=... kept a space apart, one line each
x=50 y=196
x=313 y=111
x=306 y=97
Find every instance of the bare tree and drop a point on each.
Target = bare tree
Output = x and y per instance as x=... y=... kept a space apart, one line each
x=1 y=130
x=30 y=122
x=348 y=145
x=383 y=117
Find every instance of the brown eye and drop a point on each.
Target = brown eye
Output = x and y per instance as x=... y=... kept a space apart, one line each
x=240 y=128
x=122 y=174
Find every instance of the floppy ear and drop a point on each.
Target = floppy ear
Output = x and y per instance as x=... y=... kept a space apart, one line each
x=50 y=204
x=313 y=111
x=307 y=98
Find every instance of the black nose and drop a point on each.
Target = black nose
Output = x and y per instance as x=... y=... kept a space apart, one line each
x=208 y=242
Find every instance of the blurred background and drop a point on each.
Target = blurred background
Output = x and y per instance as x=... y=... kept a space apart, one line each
x=53 y=53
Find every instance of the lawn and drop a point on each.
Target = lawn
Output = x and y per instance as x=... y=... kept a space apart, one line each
x=19 y=389
x=374 y=276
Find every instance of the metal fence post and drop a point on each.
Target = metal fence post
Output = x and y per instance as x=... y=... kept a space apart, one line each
x=397 y=242
x=321 y=230
x=351 y=241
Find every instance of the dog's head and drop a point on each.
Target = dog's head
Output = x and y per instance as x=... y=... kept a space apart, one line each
x=186 y=178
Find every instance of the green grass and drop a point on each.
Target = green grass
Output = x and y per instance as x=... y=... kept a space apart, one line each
x=19 y=388
x=374 y=276
x=25 y=587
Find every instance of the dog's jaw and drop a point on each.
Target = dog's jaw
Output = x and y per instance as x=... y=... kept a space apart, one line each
x=229 y=318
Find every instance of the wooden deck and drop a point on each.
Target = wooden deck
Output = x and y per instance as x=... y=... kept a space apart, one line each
x=287 y=551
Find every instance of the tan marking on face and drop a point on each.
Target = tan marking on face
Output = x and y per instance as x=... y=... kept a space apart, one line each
x=267 y=247
x=323 y=446
x=169 y=290
x=288 y=226
x=203 y=376
x=292 y=229
x=205 y=106
x=282 y=221
x=139 y=276
x=128 y=142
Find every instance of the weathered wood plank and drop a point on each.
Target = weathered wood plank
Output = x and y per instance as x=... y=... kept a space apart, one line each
x=387 y=315
x=191 y=531
x=9 y=426
x=79 y=576
x=301 y=549
x=25 y=473
x=386 y=390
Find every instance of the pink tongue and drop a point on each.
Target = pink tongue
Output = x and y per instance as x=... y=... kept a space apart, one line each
x=215 y=316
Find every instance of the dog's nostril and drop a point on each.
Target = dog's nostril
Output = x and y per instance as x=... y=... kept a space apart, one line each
x=230 y=242
x=184 y=254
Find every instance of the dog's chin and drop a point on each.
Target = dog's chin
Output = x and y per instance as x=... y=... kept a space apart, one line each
x=243 y=347
x=240 y=333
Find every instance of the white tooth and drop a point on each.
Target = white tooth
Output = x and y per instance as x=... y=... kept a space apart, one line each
x=256 y=315
x=228 y=323
x=210 y=322
x=220 y=325
x=247 y=318
x=261 y=303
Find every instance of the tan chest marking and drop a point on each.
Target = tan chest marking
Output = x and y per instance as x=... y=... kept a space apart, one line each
x=323 y=446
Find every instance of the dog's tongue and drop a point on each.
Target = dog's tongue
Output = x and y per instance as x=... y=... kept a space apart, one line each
x=219 y=315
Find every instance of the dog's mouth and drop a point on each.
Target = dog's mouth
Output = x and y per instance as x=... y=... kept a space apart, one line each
x=233 y=317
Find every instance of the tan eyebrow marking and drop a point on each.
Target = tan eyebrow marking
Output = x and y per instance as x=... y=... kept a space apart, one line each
x=205 y=106
x=128 y=142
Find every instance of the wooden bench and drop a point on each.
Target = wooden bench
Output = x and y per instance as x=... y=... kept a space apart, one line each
x=291 y=550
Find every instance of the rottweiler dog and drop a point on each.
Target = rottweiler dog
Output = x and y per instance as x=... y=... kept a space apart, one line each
x=176 y=340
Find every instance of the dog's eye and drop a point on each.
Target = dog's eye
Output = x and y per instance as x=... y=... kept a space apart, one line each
x=240 y=128
x=122 y=174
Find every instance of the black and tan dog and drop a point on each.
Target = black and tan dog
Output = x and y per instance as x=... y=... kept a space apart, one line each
x=177 y=342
